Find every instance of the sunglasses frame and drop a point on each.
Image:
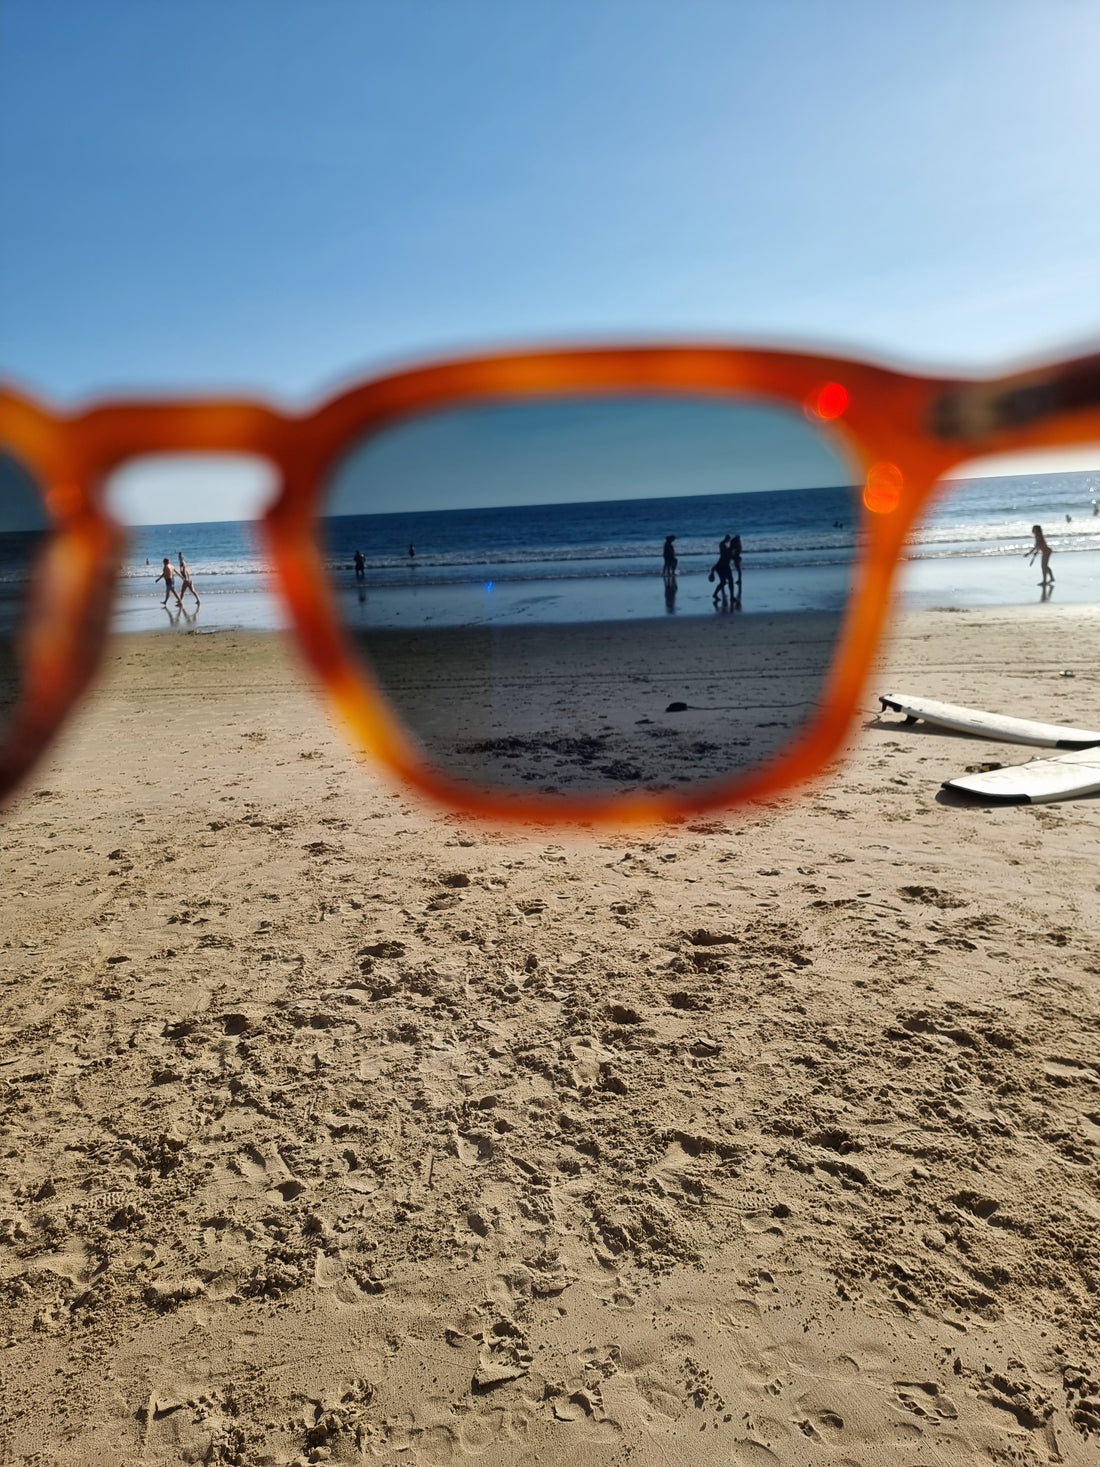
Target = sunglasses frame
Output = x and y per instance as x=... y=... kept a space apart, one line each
x=903 y=431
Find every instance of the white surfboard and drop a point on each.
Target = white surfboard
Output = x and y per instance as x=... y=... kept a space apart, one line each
x=1037 y=783
x=990 y=725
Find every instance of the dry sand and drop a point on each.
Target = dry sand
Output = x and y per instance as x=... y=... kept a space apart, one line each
x=337 y=1130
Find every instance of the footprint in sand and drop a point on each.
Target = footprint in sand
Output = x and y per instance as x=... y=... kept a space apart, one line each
x=925 y=1399
x=268 y=1172
x=823 y=1426
x=740 y=1314
x=1065 y=1071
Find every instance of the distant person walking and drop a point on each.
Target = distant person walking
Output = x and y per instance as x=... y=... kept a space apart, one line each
x=360 y=566
x=1043 y=550
x=723 y=569
x=412 y=552
x=188 y=583
x=735 y=559
x=168 y=576
x=670 y=558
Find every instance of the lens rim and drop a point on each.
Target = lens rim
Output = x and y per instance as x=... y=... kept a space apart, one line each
x=618 y=455
x=889 y=415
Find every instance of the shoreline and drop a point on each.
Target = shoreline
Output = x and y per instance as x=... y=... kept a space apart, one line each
x=928 y=584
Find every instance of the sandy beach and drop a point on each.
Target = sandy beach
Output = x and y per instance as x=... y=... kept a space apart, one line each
x=336 y=1129
x=583 y=709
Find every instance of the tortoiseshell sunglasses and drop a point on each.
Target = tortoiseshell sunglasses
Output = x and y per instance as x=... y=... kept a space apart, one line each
x=574 y=585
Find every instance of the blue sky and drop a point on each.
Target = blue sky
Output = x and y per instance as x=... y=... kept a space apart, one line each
x=571 y=451
x=273 y=195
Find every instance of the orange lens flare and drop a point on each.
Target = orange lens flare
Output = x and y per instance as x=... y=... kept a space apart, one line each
x=827 y=401
x=882 y=491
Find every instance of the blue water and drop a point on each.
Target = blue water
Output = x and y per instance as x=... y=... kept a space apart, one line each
x=610 y=538
x=588 y=561
x=984 y=517
x=583 y=560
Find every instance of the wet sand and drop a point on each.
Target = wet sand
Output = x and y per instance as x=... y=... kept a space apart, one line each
x=336 y=1129
x=586 y=708
x=238 y=602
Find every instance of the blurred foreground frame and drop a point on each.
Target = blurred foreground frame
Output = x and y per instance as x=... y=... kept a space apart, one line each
x=903 y=431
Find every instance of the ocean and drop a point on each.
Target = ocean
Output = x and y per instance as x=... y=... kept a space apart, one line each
x=597 y=560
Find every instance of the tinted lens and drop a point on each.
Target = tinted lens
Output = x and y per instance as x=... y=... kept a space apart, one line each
x=23 y=528
x=577 y=596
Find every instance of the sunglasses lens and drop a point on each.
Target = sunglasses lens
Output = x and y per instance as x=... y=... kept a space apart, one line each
x=575 y=596
x=24 y=525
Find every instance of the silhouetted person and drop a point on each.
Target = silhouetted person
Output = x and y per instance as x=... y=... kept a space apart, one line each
x=360 y=566
x=412 y=552
x=670 y=558
x=723 y=569
x=1043 y=550
x=735 y=558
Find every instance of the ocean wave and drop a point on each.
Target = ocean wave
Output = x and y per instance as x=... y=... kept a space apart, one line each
x=217 y=577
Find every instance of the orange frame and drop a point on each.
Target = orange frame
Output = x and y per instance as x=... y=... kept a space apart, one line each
x=905 y=432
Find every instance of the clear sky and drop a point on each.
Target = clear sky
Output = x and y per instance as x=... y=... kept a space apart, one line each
x=570 y=451
x=273 y=195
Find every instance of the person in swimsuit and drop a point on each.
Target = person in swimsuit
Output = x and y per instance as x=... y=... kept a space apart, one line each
x=188 y=583
x=168 y=576
x=1042 y=549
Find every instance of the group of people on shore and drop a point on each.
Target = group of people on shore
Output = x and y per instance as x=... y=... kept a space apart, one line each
x=168 y=576
x=726 y=570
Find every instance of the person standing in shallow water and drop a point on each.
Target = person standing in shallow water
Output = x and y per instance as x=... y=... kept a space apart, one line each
x=723 y=569
x=168 y=576
x=188 y=583
x=360 y=566
x=1043 y=550
x=670 y=558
